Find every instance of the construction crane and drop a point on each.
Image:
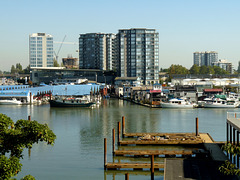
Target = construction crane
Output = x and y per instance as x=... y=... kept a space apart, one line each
x=59 y=48
x=71 y=43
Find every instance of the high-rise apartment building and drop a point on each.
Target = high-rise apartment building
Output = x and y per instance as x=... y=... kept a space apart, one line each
x=199 y=58
x=138 y=54
x=96 y=51
x=224 y=64
x=207 y=58
x=40 y=50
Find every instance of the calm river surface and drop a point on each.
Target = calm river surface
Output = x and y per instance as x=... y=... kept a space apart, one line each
x=78 y=150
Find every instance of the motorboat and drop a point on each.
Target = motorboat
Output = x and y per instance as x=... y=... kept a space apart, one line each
x=15 y=97
x=177 y=103
x=11 y=101
x=220 y=103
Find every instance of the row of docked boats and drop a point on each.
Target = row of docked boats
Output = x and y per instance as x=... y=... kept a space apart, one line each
x=58 y=102
x=213 y=102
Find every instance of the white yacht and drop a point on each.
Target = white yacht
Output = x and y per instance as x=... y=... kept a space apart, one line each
x=220 y=103
x=12 y=101
x=177 y=103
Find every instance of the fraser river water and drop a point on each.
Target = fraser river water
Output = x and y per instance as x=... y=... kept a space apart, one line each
x=78 y=150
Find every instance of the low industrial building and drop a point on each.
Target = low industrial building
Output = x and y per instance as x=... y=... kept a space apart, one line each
x=49 y=75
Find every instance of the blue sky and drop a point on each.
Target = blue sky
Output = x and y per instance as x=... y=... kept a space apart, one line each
x=184 y=26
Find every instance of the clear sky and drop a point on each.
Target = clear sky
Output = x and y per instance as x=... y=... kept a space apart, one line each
x=184 y=26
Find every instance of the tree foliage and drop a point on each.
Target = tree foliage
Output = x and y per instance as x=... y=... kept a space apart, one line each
x=18 y=69
x=55 y=63
x=194 y=69
x=9 y=167
x=177 y=69
x=228 y=168
x=26 y=70
x=238 y=70
x=13 y=69
x=14 y=137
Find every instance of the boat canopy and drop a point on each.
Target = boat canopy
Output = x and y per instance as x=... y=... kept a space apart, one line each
x=14 y=93
x=220 y=96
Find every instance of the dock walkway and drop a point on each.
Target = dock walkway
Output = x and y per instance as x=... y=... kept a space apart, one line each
x=133 y=166
x=151 y=152
x=200 y=161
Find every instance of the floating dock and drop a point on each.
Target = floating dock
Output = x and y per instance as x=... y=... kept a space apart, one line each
x=197 y=149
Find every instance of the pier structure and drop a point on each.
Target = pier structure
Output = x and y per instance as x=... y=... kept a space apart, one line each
x=232 y=133
x=172 y=155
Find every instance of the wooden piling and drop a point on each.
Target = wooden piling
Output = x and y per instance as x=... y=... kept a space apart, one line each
x=197 y=127
x=119 y=132
x=113 y=142
x=230 y=131
x=50 y=95
x=234 y=133
x=29 y=118
x=105 y=153
x=237 y=145
x=227 y=132
x=152 y=167
x=29 y=152
x=126 y=176
x=30 y=97
x=123 y=127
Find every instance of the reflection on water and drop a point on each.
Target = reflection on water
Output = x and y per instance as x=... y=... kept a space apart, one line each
x=78 y=151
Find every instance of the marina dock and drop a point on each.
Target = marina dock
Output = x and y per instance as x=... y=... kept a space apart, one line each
x=176 y=154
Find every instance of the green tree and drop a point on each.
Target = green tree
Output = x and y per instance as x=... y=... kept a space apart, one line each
x=177 y=69
x=219 y=70
x=210 y=70
x=163 y=70
x=18 y=67
x=238 y=70
x=26 y=70
x=194 y=69
x=203 y=70
x=228 y=168
x=6 y=72
x=14 y=137
x=55 y=63
x=13 y=69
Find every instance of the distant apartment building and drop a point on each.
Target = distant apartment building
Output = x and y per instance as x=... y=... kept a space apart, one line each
x=40 y=50
x=97 y=51
x=138 y=54
x=198 y=58
x=70 y=62
x=207 y=58
x=224 y=64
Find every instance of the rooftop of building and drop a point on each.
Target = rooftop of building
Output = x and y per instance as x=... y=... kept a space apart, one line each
x=40 y=34
x=126 y=78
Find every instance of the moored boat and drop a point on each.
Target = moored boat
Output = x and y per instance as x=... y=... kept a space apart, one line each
x=70 y=102
x=12 y=101
x=220 y=103
x=177 y=103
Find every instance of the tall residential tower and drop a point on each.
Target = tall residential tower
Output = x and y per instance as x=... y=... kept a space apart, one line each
x=138 y=54
x=96 y=51
x=40 y=50
x=207 y=58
